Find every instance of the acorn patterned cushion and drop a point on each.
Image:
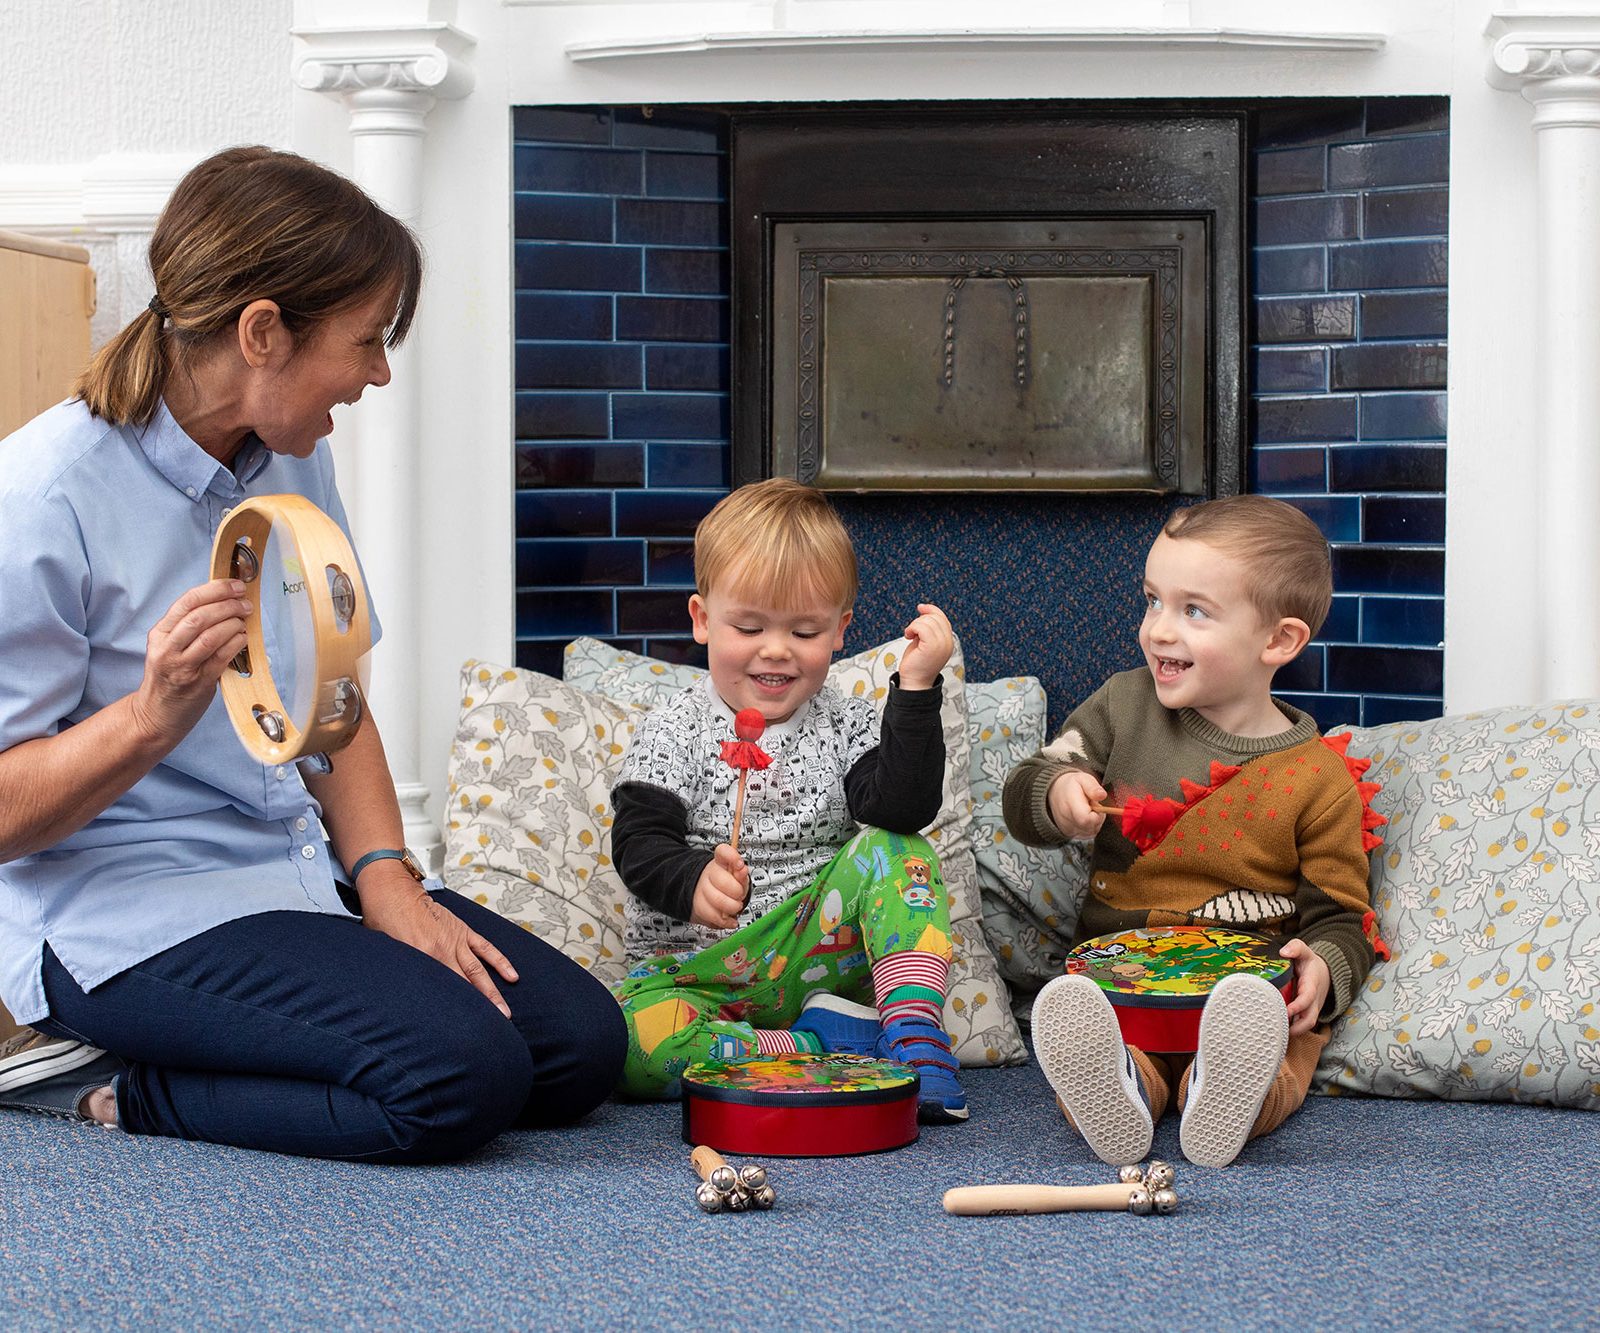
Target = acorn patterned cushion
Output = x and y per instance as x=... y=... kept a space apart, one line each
x=1487 y=891
x=977 y=1009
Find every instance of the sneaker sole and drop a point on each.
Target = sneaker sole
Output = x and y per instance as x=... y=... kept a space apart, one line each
x=47 y=1063
x=1244 y=1031
x=1079 y=1046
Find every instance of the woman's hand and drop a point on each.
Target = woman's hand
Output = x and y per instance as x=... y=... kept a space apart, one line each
x=186 y=653
x=404 y=912
x=932 y=640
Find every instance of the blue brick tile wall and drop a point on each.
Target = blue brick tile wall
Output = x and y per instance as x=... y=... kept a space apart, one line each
x=622 y=413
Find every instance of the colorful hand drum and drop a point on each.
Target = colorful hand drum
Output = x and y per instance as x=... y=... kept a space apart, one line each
x=298 y=686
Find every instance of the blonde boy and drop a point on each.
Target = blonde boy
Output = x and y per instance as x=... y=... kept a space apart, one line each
x=824 y=912
x=1277 y=843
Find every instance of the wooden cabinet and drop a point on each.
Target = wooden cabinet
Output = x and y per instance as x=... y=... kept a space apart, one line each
x=46 y=300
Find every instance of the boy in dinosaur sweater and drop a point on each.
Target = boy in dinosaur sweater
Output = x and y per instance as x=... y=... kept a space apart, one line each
x=1272 y=837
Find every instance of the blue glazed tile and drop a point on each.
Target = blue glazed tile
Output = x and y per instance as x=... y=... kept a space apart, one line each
x=663 y=513
x=1293 y=420
x=566 y=612
x=1403 y=315
x=569 y=465
x=1297 y=269
x=564 y=513
x=1415 y=621
x=1276 y=471
x=685 y=176
x=685 y=652
x=686 y=366
x=1407 y=115
x=1403 y=416
x=562 y=416
x=1417 y=570
x=563 y=315
x=1304 y=674
x=1410 y=518
x=672 y=319
x=700 y=465
x=694 y=272
x=567 y=562
x=1420 y=161
x=1389 y=366
x=1343 y=624
x=651 y=610
x=1292 y=171
x=1324 y=217
x=1289 y=370
x=588 y=268
x=1338 y=516
x=1366 y=265
x=561 y=365
x=1385 y=670
x=562 y=217
x=541 y=655
x=671 y=416
x=1386 y=467
x=1305 y=319
x=674 y=128
x=1378 y=711
x=561 y=124
x=577 y=170
x=1405 y=213
x=671 y=563
x=1319 y=120
x=1329 y=710
x=671 y=222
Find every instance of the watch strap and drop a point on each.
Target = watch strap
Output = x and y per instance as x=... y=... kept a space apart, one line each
x=401 y=854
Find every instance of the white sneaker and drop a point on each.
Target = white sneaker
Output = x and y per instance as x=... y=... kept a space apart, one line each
x=1080 y=1049
x=1244 y=1031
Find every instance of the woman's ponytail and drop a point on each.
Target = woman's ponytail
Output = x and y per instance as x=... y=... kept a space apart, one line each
x=123 y=382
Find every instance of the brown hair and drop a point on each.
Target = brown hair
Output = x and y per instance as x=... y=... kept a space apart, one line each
x=777 y=541
x=1291 y=573
x=244 y=225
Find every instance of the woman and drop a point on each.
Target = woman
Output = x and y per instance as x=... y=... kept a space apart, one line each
x=170 y=916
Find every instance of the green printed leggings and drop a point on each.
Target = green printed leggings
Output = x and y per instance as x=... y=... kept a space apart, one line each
x=882 y=894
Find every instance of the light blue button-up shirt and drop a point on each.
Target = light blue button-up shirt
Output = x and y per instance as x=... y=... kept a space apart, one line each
x=102 y=528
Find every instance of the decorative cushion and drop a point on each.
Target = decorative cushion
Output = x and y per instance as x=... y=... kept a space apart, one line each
x=976 y=1010
x=1031 y=896
x=1485 y=890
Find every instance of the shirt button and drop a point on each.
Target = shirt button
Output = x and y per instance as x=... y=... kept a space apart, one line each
x=189 y=491
x=281 y=772
x=300 y=826
x=309 y=852
x=228 y=509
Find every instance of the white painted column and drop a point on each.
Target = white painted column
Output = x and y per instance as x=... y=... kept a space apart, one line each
x=388 y=80
x=1553 y=60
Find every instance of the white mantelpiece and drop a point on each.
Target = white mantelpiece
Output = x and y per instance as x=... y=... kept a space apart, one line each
x=388 y=80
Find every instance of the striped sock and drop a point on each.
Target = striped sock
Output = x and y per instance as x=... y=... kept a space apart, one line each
x=910 y=984
x=777 y=1041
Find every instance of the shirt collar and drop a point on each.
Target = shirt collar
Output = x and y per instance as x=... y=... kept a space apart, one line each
x=189 y=467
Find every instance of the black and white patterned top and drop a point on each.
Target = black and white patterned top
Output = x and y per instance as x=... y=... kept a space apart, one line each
x=831 y=771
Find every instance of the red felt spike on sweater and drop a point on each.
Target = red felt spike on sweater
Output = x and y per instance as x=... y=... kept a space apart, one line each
x=1370 y=818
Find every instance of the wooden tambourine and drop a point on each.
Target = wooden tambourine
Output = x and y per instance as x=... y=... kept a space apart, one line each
x=800 y=1105
x=302 y=578
x=1158 y=979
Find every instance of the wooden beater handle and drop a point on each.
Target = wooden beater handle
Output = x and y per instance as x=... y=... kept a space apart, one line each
x=1009 y=1200
x=1100 y=809
x=706 y=1160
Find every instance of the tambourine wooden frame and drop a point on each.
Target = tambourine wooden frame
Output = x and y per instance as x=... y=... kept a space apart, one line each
x=318 y=543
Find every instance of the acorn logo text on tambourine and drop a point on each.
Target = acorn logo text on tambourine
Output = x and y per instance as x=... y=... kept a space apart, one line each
x=297 y=688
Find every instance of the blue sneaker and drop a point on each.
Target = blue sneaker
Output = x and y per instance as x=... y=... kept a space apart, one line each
x=926 y=1049
x=840 y=1025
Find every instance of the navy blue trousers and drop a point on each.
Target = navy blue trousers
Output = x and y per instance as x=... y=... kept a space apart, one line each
x=298 y=1032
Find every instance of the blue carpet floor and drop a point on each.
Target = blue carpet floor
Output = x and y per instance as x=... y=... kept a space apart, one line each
x=1357 y=1213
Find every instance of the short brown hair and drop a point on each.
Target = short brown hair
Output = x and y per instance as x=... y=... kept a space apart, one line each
x=778 y=541
x=1291 y=572
x=249 y=224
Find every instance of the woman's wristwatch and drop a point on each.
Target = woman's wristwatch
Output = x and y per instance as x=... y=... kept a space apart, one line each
x=401 y=854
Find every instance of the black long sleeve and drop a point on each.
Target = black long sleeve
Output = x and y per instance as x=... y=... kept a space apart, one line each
x=649 y=843
x=899 y=783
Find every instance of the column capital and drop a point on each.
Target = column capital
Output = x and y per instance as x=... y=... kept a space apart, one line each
x=425 y=60
x=1545 y=54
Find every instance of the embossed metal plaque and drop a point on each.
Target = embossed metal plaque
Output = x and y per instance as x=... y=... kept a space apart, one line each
x=996 y=354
